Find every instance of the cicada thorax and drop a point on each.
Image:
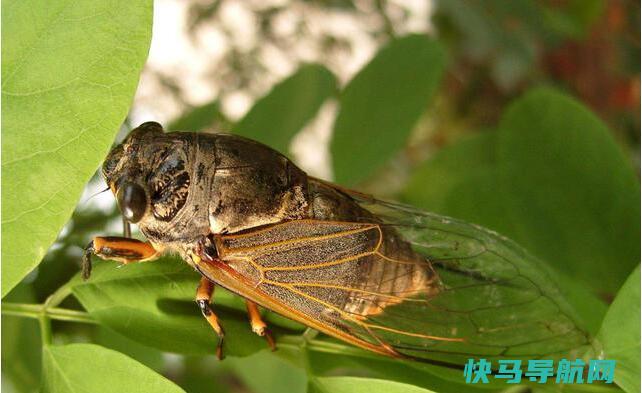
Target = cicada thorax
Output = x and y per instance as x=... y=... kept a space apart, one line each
x=250 y=185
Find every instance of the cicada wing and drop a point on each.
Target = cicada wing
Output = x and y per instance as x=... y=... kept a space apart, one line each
x=497 y=297
x=412 y=283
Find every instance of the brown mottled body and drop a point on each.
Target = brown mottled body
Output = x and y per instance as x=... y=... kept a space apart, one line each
x=202 y=184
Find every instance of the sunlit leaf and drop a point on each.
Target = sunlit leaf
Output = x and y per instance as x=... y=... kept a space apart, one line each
x=620 y=334
x=381 y=105
x=92 y=368
x=69 y=72
x=434 y=185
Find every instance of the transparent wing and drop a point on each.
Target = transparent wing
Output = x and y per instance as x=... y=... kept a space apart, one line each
x=493 y=295
x=405 y=282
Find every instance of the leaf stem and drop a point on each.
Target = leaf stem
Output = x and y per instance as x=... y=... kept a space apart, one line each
x=44 y=314
x=313 y=344
x=58 y=296
x=37 y=311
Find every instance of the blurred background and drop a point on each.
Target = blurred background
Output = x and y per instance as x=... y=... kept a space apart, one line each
x=227 y=54
x=211 y=61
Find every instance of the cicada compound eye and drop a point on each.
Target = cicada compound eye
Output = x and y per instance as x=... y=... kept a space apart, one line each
x=132 y=201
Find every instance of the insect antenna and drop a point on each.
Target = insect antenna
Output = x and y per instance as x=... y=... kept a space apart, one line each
x=96 y=194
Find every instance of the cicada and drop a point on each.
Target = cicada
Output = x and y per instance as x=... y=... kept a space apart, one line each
x=382 y=276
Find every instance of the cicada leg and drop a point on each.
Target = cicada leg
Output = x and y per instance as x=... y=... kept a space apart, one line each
x=119 y=249
x=204 y=294
x=258 y=325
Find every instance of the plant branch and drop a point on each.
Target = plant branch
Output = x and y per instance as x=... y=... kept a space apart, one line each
x=58 y=296
x=304 y=342
x=37 y=311
x=43 y=313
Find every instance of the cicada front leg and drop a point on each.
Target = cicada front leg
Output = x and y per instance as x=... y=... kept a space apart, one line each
x=121 y=249
x=204 y=294
x=258 y=325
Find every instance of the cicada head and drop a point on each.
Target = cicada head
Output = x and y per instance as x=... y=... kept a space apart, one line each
x=149 y=175
x=127 y=161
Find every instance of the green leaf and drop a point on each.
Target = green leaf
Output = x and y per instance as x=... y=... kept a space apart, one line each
x=620 y=334
x=21 y=348
x=381 y=105
x=201 y=118
x=551 y=179
x=150 y=357
x=434 y=184
x=69 y=72
x=273 y=376
x=284 y=111
x=92 y=368
x=362 y=385
x=570 y=188
x=206 y=374
x=462 y=181
x=153 y=303
x=426 y=376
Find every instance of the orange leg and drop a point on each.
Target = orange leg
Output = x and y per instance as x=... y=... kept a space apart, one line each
x=119 y=249
x=258 y=325
x=204 y=294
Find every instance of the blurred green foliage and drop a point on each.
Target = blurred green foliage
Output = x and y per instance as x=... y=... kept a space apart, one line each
x=383 y=103
x=200 y=118
x=509 y=35
x=288 y=107
x=552 y=178
x=458 y=120
x=21 y=350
